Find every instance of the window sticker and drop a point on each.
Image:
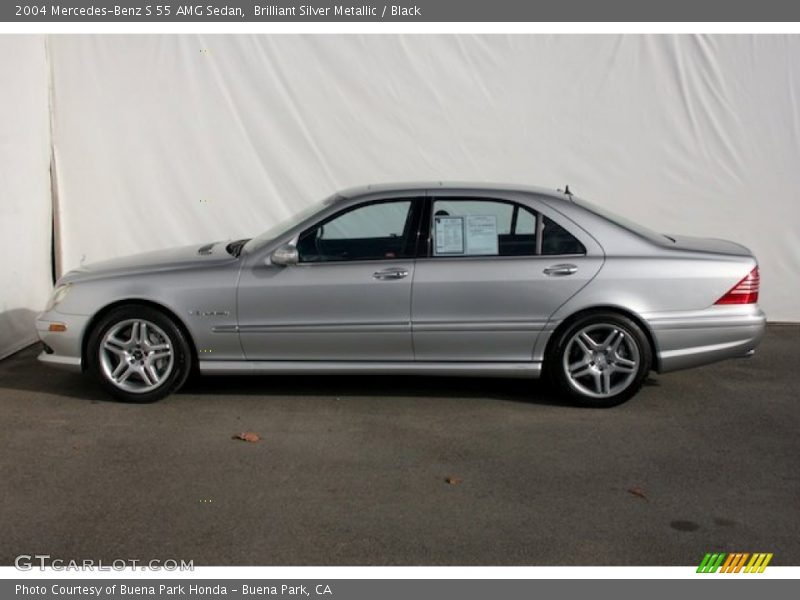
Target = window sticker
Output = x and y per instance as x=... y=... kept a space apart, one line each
x=482 y=235
x=449 y=236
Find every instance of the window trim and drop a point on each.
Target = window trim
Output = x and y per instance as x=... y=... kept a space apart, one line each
x=540 y=234
x=412 y=223
x=425 y=246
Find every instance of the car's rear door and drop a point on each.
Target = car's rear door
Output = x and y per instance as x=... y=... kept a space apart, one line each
x=348 y=298
x=493 y=272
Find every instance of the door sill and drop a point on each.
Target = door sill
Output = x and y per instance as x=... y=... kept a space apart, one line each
x=448 y=369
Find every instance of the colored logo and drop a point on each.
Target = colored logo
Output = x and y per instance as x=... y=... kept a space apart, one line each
x=734 y=562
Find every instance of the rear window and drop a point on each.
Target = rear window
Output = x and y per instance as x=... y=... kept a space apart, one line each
x=640 y=230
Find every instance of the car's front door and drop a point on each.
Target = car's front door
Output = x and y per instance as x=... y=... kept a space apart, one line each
x=495 y=271
x=349 y=296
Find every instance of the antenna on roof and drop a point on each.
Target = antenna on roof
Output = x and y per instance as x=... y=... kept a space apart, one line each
x=566 y=190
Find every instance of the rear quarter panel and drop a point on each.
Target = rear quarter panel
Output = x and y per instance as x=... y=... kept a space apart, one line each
x=672 y=291
x=674 y=298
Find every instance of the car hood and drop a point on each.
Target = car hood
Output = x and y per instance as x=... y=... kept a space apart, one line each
x=160 y=260
x=716 y=246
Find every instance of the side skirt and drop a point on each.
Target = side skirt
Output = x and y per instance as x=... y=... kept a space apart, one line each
x=530 y=370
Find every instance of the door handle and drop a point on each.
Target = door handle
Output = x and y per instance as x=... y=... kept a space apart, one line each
x=393 y=273
x=563 y=269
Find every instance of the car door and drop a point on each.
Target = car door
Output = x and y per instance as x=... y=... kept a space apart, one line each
x=349 y=296
x=493 y=273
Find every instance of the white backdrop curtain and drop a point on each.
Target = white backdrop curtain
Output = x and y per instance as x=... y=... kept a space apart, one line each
x=166 y=140
x=25 y=225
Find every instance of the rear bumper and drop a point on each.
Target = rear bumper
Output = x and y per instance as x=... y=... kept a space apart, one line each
x=698 y=338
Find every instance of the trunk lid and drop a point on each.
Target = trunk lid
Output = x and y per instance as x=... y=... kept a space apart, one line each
x=710 y=245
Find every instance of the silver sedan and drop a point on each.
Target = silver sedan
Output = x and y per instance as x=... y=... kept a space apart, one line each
x=430 y=279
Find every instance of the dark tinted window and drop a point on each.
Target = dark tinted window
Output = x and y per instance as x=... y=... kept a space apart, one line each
x=477 y=227
x=378 y=231
x=557 y=240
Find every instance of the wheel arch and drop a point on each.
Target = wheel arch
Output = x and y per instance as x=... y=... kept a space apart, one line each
x=566 y=322
x=136 y=302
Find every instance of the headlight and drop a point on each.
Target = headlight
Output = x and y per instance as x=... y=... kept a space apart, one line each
x=57 y=296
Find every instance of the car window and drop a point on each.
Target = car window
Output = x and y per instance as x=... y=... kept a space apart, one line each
x=482 y=228
x=621 y=221
x=557 y=240
x=526 y=222
x=377 y=231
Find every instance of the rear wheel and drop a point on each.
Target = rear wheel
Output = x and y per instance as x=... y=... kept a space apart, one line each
x=138 y=354
x=600 y=360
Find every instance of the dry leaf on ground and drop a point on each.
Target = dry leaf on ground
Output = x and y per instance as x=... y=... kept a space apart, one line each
x=247 y=436
x=638 y=492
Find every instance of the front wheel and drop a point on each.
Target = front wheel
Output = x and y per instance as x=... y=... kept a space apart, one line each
x=600 y=360
x=138 y=354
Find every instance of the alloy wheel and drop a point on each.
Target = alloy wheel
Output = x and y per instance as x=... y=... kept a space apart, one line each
x=601 y=360
x=136 y=355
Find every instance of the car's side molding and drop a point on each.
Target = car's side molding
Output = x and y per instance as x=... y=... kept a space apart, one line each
x=285 y=367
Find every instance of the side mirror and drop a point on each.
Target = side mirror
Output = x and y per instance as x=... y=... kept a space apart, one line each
x=285 y=255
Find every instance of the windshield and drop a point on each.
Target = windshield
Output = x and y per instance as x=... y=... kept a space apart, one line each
x=623 y=222
x=288 y=223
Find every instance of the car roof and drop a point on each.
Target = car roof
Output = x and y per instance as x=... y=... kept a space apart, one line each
x=467 y=186
x=614 y=238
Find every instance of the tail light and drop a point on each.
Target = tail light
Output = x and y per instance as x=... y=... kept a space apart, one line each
x=744 y=292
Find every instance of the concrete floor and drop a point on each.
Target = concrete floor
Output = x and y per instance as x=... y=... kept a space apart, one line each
x=352 y=471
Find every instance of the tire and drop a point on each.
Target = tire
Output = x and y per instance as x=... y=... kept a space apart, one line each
x=600 y=360
x=138 y=354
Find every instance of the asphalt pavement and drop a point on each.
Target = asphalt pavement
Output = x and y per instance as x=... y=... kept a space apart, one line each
x=405 y=470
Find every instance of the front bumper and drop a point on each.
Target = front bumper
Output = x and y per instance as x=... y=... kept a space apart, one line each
x=62 y=348
x=698 y=338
